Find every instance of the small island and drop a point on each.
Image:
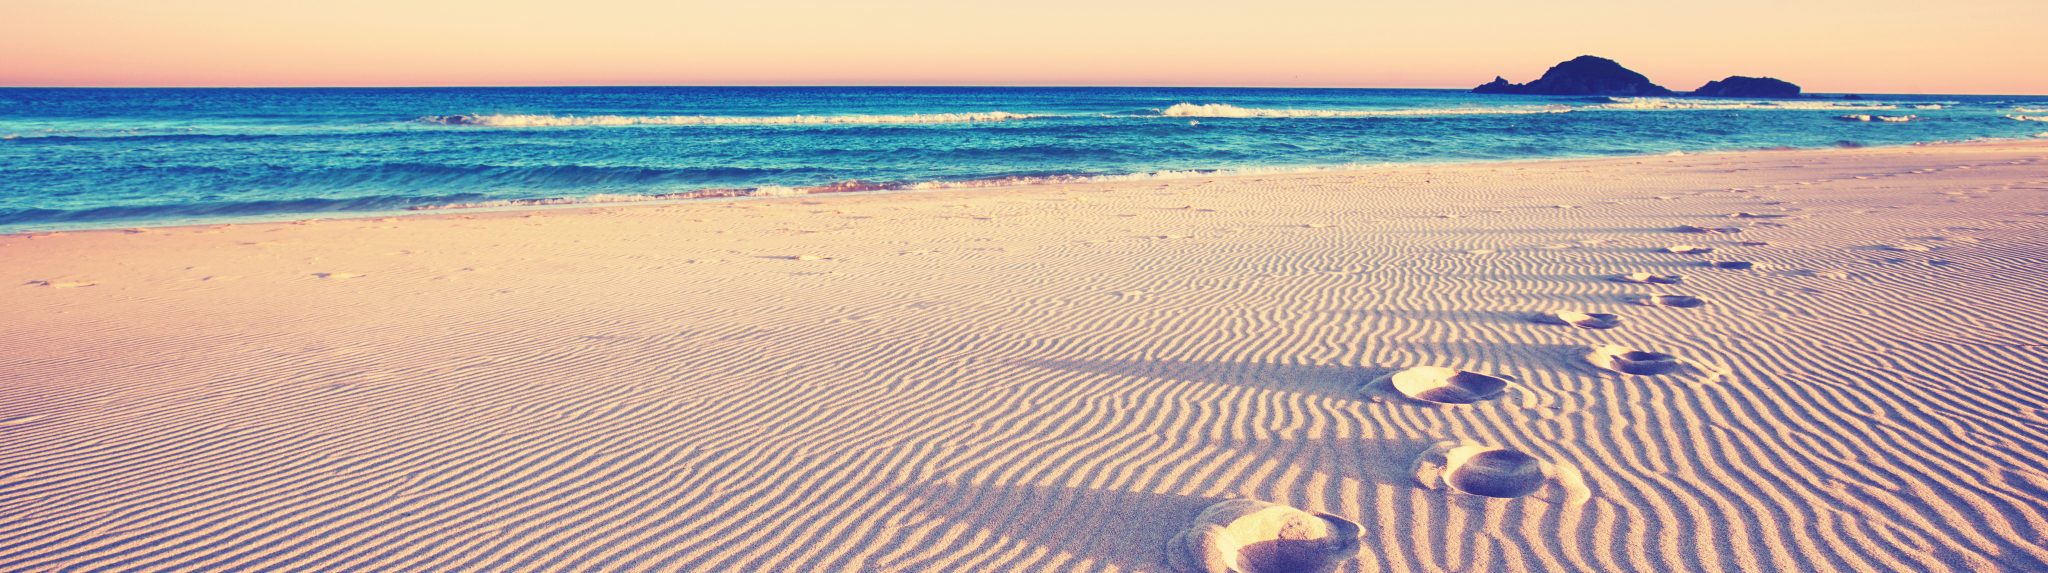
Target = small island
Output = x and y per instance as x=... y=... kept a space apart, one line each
x=1748 y=87
x=1593 y=75
x=1583 y=75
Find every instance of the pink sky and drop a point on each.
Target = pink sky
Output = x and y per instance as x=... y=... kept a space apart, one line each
x=1892 y=46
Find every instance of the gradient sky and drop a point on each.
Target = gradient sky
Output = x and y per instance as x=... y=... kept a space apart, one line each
x=1888 y=46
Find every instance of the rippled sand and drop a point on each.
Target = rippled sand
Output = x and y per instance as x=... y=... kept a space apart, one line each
x=1054 y=377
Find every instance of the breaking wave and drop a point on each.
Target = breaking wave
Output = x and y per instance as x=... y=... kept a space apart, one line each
x=1220 y=110
x=2029 y=117
x=1224 y=110
x=1650 y=103
x=1864 y=117
x=525 y=120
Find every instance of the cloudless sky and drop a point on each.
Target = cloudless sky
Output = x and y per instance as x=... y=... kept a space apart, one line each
x=1888 y=46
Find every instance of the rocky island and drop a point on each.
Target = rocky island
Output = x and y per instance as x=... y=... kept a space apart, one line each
x=1593 y=75
x=1748 y=87
x=1583 y=75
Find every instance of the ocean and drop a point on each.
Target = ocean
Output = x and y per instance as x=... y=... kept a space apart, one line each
x=99 y=158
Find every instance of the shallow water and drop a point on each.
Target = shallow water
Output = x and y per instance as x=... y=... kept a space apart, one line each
x=72 y=158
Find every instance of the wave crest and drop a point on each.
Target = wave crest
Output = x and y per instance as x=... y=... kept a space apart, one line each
x=1660 y=104
x=1225 y=110
x=532 y=120
x=1864 y=117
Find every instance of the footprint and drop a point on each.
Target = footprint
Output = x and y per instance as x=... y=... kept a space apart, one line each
x=1252 y=535
x=1439 y=385
x=1749 y=215
x=1688 y=250
x=1625 y=360
x=1497 y=472
x=337 y=276
x=1733 y=265
x=1907 y=248
x=1671 y=300
x=63 y=283
x=1590 y=320
x=1647 y=279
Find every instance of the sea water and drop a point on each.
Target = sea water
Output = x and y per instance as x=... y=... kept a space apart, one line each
x=87 y=158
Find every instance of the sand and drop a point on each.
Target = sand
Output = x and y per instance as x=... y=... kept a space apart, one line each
x=1054 y=377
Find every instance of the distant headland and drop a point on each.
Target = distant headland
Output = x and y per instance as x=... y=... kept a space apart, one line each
x=1592 y=75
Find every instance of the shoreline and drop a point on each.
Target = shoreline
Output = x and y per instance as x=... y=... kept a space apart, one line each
x=721 y=195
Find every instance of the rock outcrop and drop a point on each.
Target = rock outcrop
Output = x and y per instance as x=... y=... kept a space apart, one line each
x=1583 y=75
x=1748 y=87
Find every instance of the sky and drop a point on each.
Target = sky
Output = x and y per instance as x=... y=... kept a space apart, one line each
x=1871 y=46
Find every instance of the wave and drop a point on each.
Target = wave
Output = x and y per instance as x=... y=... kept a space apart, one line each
x=228 y=208
x=1864 y=117
x=1663 y=104
x=525 y=120
x=389 y=202
x=134 y=137
x=1218 y=110
x=1224 y=110
x=2028 y=117
x=853 y=186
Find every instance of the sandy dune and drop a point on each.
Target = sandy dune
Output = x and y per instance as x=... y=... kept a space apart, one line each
x=1052 y=378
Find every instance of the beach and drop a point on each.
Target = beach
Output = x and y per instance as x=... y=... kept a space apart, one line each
x=1055 y=377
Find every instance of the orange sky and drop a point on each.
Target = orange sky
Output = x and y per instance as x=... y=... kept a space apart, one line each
x=1894 y=46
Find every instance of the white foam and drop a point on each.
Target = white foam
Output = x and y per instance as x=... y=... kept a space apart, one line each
x=775 y=191
x=2029 y=117
x=1879 y=118
x=1129 y=177
x=524 y=120
x=1663 y=104
x=589 y=199
x=1227 y=110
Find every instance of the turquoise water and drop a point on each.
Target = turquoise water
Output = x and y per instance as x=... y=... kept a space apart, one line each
x=81 y=158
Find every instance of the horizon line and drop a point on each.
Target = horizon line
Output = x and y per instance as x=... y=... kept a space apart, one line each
x=852 y=85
